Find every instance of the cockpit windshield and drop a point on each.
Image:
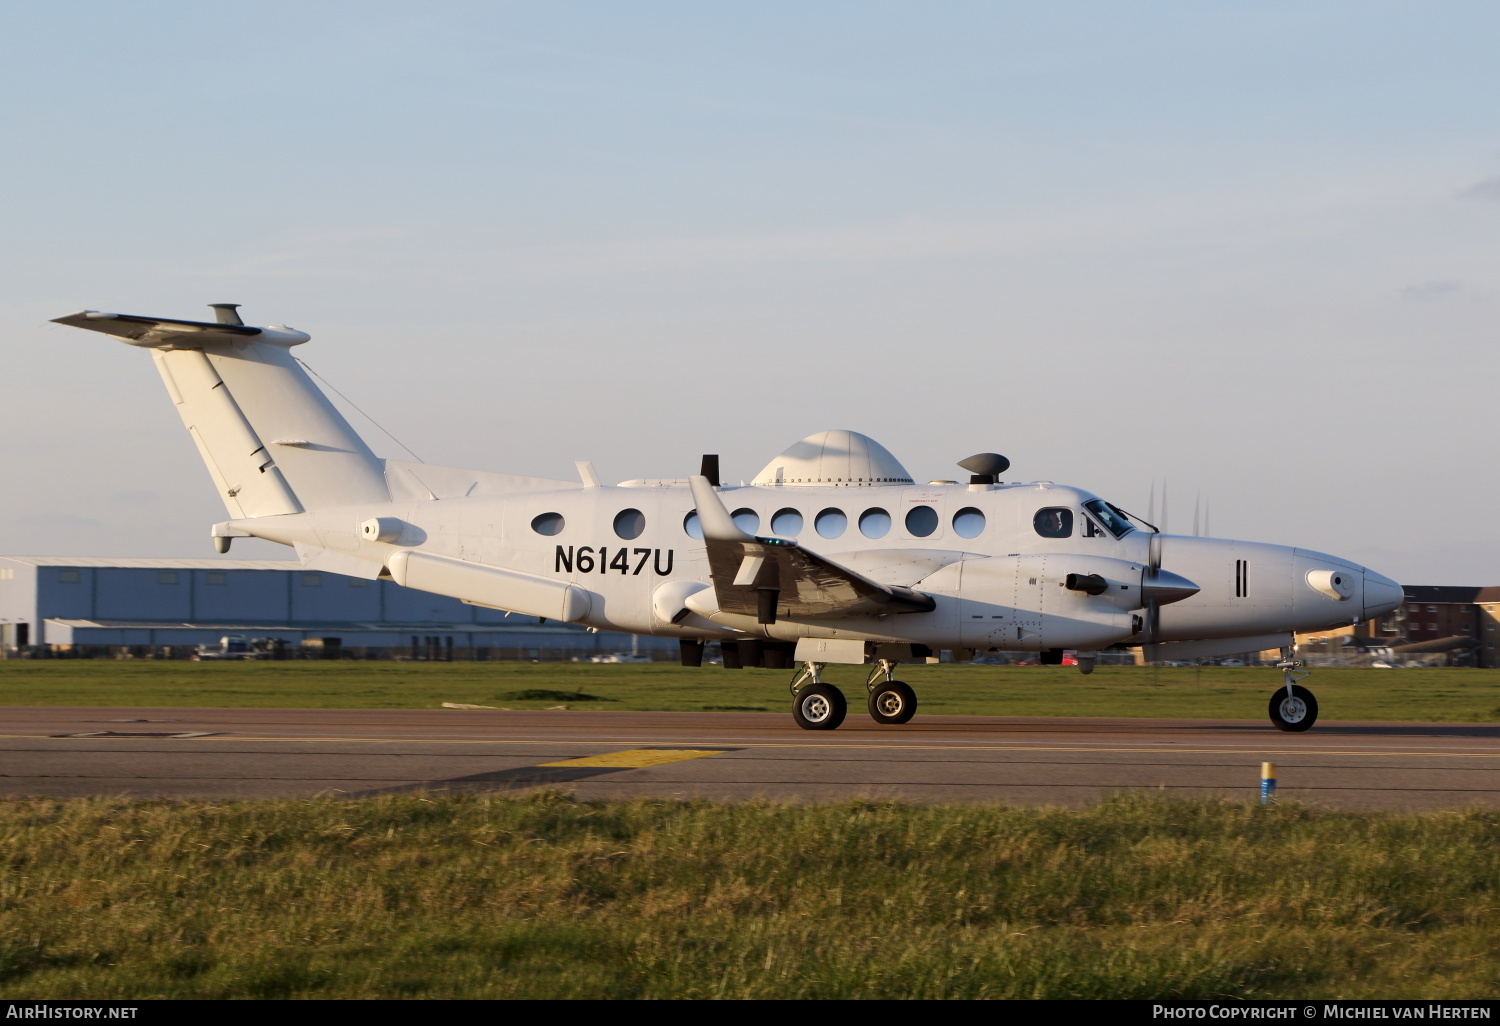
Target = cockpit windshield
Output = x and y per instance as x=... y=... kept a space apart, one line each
x=1110 y=518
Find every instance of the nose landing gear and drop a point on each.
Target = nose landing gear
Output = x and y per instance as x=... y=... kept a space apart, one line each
x=1293 y=707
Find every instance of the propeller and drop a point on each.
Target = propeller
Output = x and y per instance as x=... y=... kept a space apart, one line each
x=1159 y=588
x=1151 y=623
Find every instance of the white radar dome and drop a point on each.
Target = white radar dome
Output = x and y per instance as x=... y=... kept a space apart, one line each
x=839 y=458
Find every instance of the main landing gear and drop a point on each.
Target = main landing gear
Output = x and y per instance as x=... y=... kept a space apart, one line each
x=817 y=705
x=1293 y=707
x=891 y=700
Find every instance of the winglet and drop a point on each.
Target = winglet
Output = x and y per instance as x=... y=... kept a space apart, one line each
x=717 y=524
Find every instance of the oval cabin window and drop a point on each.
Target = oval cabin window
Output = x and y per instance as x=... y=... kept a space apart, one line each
x=968 y=522
x=548 y=523
x=874 y=523
x=786 y=523
x=921 y=521
x=629 y=523
x=746 y=520
x=691 y=525
x=830 y=523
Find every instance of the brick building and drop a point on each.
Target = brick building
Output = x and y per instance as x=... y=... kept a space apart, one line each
x=1463 y=622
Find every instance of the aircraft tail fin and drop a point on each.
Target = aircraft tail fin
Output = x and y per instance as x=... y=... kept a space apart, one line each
x=270 y=438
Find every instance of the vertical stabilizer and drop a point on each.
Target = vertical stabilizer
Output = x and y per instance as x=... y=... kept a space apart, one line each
x=270 y=438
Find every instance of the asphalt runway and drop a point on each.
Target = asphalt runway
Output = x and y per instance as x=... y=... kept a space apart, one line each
x=262 y=753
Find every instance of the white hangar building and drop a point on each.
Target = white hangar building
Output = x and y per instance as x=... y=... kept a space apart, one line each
x=83 y=604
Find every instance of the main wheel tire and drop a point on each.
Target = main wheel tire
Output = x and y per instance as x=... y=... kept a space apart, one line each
x=1296 y=712
x=892 y=702
x=819 y=707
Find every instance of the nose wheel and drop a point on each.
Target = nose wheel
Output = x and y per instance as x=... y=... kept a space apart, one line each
x=1293 y=708
x=1296 y=711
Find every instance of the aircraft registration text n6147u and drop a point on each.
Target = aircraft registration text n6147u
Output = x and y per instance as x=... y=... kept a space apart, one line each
x=831 y=554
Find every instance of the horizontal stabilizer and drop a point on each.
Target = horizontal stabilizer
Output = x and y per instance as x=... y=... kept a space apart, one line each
x=172 y=333
x=776 y=576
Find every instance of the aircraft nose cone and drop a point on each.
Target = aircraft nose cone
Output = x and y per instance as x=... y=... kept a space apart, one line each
x=1165 y=586
x=1381 y=595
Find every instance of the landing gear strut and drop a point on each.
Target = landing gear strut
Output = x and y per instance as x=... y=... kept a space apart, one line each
x=890 y=700
x=1293 y=707
x=816 y=705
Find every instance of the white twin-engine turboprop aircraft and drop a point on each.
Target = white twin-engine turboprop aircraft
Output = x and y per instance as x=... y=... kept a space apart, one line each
x=833 y=554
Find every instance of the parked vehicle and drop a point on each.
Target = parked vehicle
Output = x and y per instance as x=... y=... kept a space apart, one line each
x=230 y=646
x=620 y=657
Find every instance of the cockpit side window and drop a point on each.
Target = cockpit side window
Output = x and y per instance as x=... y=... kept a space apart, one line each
x=1113 y=520
x=1053 y=522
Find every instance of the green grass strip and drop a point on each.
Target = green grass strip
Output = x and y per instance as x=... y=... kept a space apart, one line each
x=1453 y=695
x=541 y=896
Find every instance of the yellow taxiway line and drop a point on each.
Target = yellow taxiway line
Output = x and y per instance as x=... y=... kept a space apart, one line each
x=637 y=758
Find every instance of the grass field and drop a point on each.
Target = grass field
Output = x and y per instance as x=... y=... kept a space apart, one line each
x=541 y=896
x=1209 y=692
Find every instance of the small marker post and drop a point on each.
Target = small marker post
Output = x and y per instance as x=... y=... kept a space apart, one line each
x=1267 y=782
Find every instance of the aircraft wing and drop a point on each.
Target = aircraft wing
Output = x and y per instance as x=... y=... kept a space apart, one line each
x=771 y=577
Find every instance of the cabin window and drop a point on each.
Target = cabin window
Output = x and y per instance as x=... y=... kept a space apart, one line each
x=968 y=522
x=787 y=523
x=548 y=523
x=921 y=521
x=1111 y=518
x=213 y=577
x=830 y=523
x=358 y=582
x=746 y=520
x=692 y=526
x=629 y=523
x=67 y=577
x=312 y=580
x=166 y=577
x=874 y=523
x=1053 y=522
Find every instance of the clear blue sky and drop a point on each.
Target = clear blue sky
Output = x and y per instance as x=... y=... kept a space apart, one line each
x=1249 y=249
